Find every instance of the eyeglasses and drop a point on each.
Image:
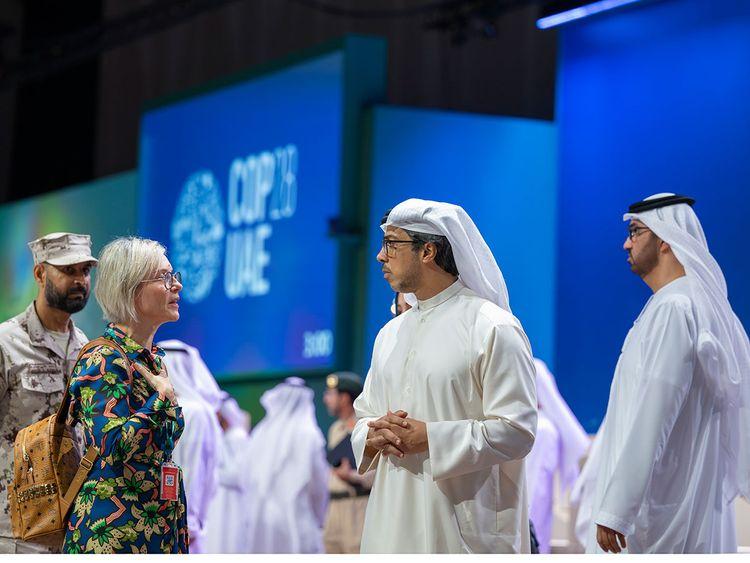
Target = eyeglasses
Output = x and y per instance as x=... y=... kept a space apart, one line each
x=632 y=233
x=168 y=278
x=389 y=246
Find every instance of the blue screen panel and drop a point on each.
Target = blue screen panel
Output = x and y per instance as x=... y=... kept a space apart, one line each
x=240 y=184
x=502 y=171
x=650 y=99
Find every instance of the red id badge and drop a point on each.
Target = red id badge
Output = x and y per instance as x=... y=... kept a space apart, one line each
x=170 y=481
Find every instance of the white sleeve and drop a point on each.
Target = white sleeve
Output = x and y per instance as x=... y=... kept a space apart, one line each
x=234 y=460
x=195 y=454
x=365 y=413
x=543 y=459
x=668 y=357
x=506 y=370
x=320 y=476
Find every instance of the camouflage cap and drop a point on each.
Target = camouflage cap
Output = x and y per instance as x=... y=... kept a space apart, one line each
x=62 y=249
x=345 y=381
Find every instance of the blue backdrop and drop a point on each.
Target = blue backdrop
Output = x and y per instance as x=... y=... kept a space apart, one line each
x=240 y=183
x=650 y=99
x=502 y=171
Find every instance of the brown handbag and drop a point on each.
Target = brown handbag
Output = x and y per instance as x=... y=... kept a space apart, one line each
x=48 y=471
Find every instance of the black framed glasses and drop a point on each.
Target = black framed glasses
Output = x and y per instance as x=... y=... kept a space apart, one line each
x=168 y=278
x=389 y=246
x=632 y=233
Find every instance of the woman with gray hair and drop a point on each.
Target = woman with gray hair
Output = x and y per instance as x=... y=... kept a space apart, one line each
x=133 y=500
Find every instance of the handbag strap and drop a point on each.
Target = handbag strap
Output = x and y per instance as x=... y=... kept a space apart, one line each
x=87 y=462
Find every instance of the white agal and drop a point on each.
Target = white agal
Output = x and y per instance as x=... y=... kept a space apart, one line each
x=464 y=366
x=662 y=475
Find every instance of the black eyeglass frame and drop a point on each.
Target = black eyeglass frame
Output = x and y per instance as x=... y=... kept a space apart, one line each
x=389 y=249
x=633 y=233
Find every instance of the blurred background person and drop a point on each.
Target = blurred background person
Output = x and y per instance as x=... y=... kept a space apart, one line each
x=399 y=304
x=131 y=415
x=582 y=494
x=349 y=490
x=199 y=449
x=288 y=478
x=227 y=524
x=560 y=444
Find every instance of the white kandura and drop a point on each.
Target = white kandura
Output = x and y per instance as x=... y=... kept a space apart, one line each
x=464 y=366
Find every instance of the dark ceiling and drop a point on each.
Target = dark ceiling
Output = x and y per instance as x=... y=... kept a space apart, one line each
x=74 y=75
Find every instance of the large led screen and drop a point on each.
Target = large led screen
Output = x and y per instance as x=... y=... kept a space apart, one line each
x=241 y=184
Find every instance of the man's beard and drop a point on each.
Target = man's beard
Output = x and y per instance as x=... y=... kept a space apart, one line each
x=64 y=301
x=647 y=260
x=409 y=281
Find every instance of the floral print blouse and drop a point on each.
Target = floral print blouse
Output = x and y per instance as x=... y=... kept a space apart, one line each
x=119 y=507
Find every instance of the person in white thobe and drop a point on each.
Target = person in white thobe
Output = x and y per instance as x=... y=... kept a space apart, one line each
x=227 y=523
x=583 y=491
x=288 y=478
x=541 y=466
x=560 y=444
x=448 y=410
x=199 y=449
x=674 y=442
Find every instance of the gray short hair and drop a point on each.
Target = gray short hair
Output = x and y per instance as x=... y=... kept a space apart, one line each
x=123 y=264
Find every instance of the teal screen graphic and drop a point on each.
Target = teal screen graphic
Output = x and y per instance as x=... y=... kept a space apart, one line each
x=103 y=209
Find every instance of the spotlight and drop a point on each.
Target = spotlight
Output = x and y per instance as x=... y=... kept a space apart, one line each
x=560 y=13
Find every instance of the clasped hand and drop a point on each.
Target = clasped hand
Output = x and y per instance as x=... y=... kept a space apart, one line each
x=396 y=434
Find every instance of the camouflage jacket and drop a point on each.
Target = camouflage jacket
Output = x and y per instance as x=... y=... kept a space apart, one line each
x=33 y=374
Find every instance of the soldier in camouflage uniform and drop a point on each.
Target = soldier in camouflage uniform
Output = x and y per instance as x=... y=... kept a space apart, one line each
x=38 y=349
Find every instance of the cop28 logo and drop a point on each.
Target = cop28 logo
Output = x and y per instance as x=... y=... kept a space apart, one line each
x=262 y=188
x=198 y=234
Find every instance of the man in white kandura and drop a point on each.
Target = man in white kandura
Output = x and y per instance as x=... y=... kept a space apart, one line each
x=287 y=481
x=560 y=444
x=448 y=410
x=674 y=449
x=198 y=452
x=227 y=521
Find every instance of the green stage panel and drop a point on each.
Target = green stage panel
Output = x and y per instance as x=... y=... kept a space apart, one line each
x=248 y=394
